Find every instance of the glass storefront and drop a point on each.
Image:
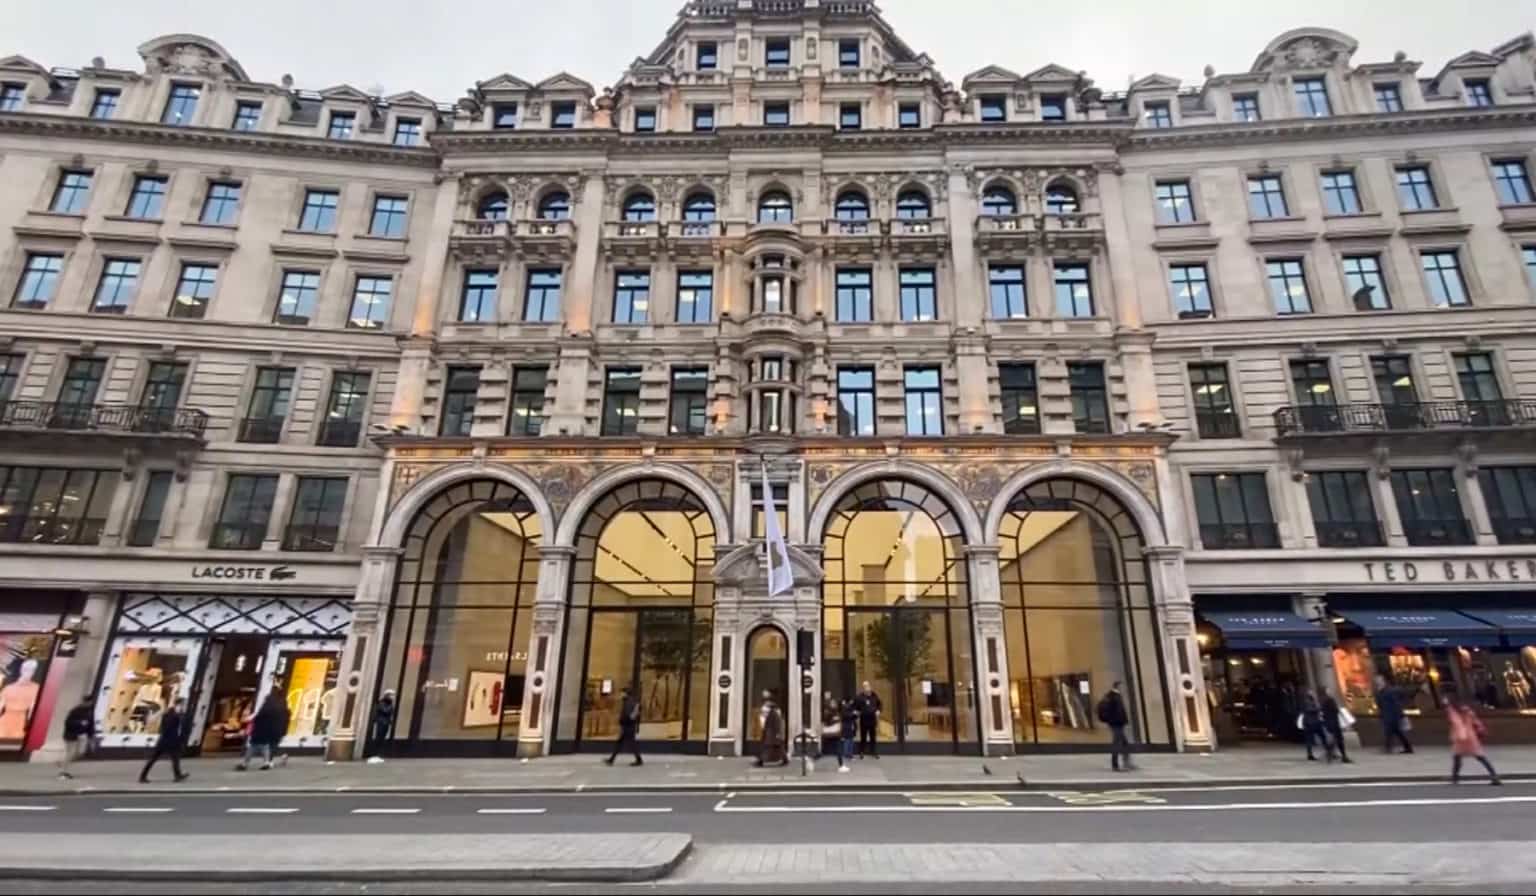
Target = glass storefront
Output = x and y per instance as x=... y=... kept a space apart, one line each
x=896 y=614
x=456 y=650
x=24 y=660
x=1078 y=617
x=639 y=616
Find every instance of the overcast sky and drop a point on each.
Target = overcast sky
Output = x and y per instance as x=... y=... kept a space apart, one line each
x=401 y=45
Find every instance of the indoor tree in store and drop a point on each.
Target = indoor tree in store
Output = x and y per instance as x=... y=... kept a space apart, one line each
x=900 y=643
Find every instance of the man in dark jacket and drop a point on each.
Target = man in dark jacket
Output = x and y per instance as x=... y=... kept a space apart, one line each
x=629 y=727
x=1332 y=726
x=1389 y=704
x=267 y=729
x=171 y=742
x=383 y=719
x=867 y=704
x=1112 y=713
x=79 y=734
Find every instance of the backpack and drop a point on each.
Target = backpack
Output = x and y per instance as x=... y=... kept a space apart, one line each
x=1102 y=710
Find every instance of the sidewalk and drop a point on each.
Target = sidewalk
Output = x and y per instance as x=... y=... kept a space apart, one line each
x=1247 y=765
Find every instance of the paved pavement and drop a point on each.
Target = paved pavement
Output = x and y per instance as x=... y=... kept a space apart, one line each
x=671 y=772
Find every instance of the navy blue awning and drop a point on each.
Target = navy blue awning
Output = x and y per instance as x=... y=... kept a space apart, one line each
x=1260 y=629
x=1423 y=628
x=1510 y=622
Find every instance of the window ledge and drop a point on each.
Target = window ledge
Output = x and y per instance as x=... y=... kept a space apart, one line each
x=398 y=240
x=309 y=234
x=211 y=226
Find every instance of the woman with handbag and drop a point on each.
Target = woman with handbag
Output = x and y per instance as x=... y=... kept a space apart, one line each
x=1467 y=732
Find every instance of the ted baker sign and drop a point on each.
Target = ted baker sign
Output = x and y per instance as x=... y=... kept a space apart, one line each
x=1520 y=570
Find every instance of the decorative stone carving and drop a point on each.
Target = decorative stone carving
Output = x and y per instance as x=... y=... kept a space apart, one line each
x=1309 y=53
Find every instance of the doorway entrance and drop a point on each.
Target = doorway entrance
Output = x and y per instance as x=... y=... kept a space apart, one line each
x=903 y=652
x=651 y=650
x=767 y=672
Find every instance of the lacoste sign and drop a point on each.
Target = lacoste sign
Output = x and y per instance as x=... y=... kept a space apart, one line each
x=245 y=573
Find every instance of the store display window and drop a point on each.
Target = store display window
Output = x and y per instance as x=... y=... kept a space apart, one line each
x=23 y=666
x=145 y=675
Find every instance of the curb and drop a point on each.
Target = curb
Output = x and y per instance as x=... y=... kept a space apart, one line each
x=1003 y=783
x=567 y=873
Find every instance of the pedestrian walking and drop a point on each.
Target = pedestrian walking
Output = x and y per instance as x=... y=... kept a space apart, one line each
x=771 y=751
x=267 y=729
x=171 y=742
x=383 y=719
x=867 y=704
x=831 y=727
x=1335 y=720
x=629 y=728
x=1111 y=712
x=79 y=735
x=1394 y=722
x=848 y=718
x=1310 y=721
x=1467 y=732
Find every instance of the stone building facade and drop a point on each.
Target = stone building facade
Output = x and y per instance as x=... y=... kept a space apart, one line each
x=1048 y=387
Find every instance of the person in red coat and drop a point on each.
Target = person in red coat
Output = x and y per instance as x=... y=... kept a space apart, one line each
x=1467 y=732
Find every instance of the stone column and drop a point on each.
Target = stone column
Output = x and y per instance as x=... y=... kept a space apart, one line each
x=544 y=649
x=282 y=500
x=727 y=676
x=76 y=675
x=1140 y=378
x=569 y=416
x=1186 y=684
x=121 y=508
x=1381 y=481
x=588 y=218
x=969 y=298
x=1474 y=503
x=359 y=670
x=973 y=369
x=989 y=644
x=436 y=255
x=411 y=384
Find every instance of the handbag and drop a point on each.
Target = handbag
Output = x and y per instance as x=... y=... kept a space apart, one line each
x=1404 y=725
x=1346 y=719
x=1301 y=721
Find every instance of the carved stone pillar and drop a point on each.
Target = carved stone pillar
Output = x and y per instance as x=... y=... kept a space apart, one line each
x=1186 y=684
x=544 y=647
x=76 y=674
x=360 y=658
x=991 y=650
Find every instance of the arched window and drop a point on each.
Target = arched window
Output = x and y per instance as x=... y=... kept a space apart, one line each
x=895 y=612
x=464 y=594
x=913 y=204
x=998 y=200
x=640 y=615
x=556 y=206
x=852 y=205
x=699 y=207
x=775 y=208
x=493 y=207
x=1078 y=613
x=640 y=206
x=1060 y=199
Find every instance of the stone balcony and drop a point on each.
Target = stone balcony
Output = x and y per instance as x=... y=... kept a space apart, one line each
x=49 y=422
x=1072 y=231
x=1432 y=425
x=481 y=237
x=1006 y=233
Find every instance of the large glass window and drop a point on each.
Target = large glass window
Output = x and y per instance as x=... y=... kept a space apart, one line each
x=541 y=302
x=388 y=217
x=1510 y=493
x=1233 y=510
x=148 y=197
x=10 y=372
x=1389 y=98
x=850 y=116
x=1343 y=512
x=775 y=208
x=1312 y=97
x=162 y=393
x=997 y=200
x=918 y=302
x=698 y=208
x=640 y=207
x=247 y=116
x=345 y=408
x=1061 y=199
x=1175 y=202
x=1005 y=284
x=222 y=204
x=706 y=56
x=146 y=523
x=1245 y=107
x=1480 y=389
x=527 y=415
x=993 y=107
x=1394 y=386
x=315 y=523
x=1191 y=290
x=1443 y=278
x=478 y=301
x=1074 y=289
x=341 y=126
x=119 y=281
x=54 y=505
x=1429 y=506
x=300 y=293
x=856 y=401
x=72 y=194
x=1078 y=618
x=1477 y=91
x=1415 y=190
x=181 y=104
x=1340 y=197
x=855 y=295
x=562 y=115
x=1020 y=396
x=776 y=115
x=703 y=117
x=631 y=297
x=695 y=297
x=848 y=52
x=621 y=401
x=1266 y=197
x=1288 y=286
x=194 y=290
x=82 y=380
x=319 y=212
x=924 y=401
x=270 y=398
x=851 y=205
x=689 y=413
x=463 y=612
x=913 y=205
x=242 y=522
x=1215 y=412
x=1090 y=397
x=1158 y=115
x=1511 y=181
x=504 y=116
x=104 y=104
x=555 y=206
x=39 y=280
x=370 y=303
x=1367 y=288
x=407 y=131
x=460 y=391
x=645 y=119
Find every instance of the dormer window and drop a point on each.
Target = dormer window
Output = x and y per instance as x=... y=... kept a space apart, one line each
x=181 y=104
x=407 y=131
x=12 y=97
x=848 y=53
x=504 y=116
x=776 y=52
x=1053 y=107
x=1158 y=115
x=909 y=115
x=850 y=117
x=563 y=115
x=708 y=58
x=341 y=126
x=1312 y=97
x=1477 y=91
x=1245 y=107
x=645 y=119
x=994 y=107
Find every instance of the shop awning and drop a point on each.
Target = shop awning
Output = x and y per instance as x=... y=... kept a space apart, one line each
x=1260 y=629
x=1510 y=622
x=1423 y=628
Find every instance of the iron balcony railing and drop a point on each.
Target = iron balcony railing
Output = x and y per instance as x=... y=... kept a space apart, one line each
x=261 y=430
x=1419 y=416
x=1424 y=533
x=310 y=538
x=51 y=529
x=339 y=433
x=125 y=418
x=238 y=536
x=1515 y=529
x=1350 y=534
x=1239 y=536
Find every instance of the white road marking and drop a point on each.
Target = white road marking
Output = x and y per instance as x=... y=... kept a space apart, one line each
x=259 y=810
x=139 y=810
x=385 y=811
x=1214 y=807
x=510 y=811
x=27 y=808
x=638 y=810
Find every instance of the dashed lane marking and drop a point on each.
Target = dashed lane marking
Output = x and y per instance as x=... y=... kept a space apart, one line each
x=139 y=810
x=386 y=811
x=259 y=810
x=961 y=800
x=27 y=808
x=1103 y=797
x=510 y=811
x=1143 y=807
x=638 y=810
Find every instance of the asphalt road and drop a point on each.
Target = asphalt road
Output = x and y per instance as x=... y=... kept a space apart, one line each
x=1323 y=813
x=475 y=888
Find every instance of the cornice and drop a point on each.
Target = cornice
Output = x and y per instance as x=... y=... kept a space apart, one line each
x=1287 y=129
x=58 y=126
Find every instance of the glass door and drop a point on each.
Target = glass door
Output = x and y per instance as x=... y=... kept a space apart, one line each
x=767 y=671
x=663 y=650
x=651 y=650
x=903 y=652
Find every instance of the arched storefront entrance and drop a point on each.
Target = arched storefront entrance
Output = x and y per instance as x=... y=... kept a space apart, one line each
x=639 y=615
x=458 y=626
x=895 y=613
x=1078 y=616
x=767 y=673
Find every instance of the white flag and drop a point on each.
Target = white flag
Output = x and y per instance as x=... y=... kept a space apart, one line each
x=781 y=580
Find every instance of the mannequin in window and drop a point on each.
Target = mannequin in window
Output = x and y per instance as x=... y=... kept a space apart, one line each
x=1514 y=682
x=16 y=701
